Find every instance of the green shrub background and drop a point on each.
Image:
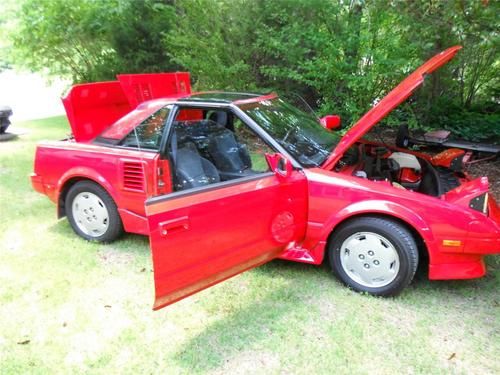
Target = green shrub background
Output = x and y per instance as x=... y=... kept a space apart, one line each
x=340 y=56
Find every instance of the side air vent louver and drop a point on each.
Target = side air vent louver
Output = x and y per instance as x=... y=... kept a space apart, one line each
x=133 y=176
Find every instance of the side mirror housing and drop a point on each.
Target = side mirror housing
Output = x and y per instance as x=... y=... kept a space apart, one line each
x=281 y=166
x=330 y=122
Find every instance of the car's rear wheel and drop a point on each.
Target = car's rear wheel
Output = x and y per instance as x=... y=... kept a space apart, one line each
x=374 y=255
x=92 y=213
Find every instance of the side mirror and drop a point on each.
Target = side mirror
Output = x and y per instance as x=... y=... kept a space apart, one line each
x=330 y=122
x=280 y=165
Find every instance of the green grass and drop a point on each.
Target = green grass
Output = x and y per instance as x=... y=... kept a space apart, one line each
x=86 y=308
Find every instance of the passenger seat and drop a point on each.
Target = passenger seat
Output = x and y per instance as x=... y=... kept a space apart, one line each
x=231 y=158
x=192 y=170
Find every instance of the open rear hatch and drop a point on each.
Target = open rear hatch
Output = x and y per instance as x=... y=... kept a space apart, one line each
x=92 y=107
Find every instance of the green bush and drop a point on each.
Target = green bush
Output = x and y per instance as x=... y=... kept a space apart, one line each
x=341 y=57
x=472 y=124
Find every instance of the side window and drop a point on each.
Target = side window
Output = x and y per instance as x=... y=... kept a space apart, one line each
x=219 y=147
x=147 y=135
x=255 y=146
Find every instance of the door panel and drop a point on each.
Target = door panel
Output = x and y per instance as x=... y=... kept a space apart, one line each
x=202 y=236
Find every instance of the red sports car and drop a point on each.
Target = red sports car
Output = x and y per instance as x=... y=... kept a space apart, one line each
x=224 y=182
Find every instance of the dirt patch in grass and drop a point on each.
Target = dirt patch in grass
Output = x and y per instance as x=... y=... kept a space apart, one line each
x=109 y=255
x=456 y=350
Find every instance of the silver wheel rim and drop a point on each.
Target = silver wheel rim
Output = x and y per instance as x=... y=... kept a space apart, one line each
x=90 y=214
x=369 y=259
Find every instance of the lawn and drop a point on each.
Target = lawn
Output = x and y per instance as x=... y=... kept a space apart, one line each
x=70 y=306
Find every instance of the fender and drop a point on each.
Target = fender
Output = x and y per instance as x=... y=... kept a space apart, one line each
x=84 y=173
x=382 y=207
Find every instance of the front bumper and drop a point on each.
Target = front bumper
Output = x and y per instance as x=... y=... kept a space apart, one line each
x=467 y=261
x=460 y=267
x=487 y=244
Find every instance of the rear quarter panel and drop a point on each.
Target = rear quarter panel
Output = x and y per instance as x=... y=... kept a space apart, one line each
x=56 y=163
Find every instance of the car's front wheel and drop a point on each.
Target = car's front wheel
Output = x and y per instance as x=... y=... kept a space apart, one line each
x=374 y=255
x=92 y=213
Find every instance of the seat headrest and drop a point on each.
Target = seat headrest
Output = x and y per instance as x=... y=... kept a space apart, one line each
x=220 y=117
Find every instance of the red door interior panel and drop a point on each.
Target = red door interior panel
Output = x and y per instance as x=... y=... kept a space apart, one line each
x=199 y=238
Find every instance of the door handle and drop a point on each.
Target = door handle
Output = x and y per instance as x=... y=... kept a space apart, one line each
x=174 y=225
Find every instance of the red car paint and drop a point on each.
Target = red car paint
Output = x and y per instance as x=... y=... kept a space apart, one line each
x=202 y=236
x=447 y=157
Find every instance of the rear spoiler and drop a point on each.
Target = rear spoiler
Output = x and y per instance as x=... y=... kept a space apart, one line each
x=92 y=107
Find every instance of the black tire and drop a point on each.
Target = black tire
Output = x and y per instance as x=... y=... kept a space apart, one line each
x=393 y=236
x=4 y=124
x=403 y=137
x=114 y=225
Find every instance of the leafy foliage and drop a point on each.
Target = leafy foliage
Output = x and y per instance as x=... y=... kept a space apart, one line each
x=92 y=40
x=339 y=56
x=476 y=123
x=7 y=16
x=67 y=38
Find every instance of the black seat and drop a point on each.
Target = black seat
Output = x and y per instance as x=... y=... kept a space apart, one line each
x=223 y=119
x=231 y=158
x=220 y=117
x=192 y=170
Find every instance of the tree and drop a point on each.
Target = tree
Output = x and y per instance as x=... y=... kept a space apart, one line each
x=341 y=56
x=92 y=40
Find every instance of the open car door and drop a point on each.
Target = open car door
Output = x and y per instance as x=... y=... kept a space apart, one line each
x=202 y=236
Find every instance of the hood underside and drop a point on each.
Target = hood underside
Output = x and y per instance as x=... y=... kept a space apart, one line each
x=394 y=98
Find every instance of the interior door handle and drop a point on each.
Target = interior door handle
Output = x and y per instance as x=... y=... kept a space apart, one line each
x=174 y=225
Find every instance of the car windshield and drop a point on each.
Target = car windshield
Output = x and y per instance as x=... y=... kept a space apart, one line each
x=298 y=132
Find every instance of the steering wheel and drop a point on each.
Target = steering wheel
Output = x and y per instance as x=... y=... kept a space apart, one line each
x=286 y=135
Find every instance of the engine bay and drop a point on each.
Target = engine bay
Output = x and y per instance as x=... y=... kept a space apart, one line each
x=433 y=176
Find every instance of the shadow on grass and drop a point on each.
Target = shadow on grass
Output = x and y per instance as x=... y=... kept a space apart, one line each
x=266 y=314
x=62 y=228
x=140 y=244
x=128 y=242
x=285 y=266
x=261 y=318
x=257 y=319
x=470 y=296
x=240 y=331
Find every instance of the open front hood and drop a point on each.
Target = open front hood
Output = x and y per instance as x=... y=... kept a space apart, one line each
x=399 y=94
